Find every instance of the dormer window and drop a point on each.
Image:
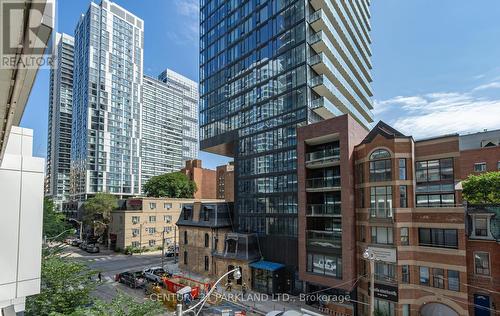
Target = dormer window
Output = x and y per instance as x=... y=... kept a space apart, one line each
x=481 y=226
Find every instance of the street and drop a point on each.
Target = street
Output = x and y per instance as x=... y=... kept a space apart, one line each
x=110 y=263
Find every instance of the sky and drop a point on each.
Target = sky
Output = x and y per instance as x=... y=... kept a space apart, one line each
x=436 y=64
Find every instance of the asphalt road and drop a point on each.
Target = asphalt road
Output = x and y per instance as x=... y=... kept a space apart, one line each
x=110 y=263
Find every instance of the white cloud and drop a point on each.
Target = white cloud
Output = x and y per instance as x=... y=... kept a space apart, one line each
x=435 y=114
x=189 y=10
x=491 y=85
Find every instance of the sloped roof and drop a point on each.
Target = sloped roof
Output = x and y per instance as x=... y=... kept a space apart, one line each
x=382 y=129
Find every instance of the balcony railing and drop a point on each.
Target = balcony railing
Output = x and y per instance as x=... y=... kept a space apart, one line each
x=326 y=154
x=383 y=213
x=321 y=183
x=330 y=239
x=323 y=209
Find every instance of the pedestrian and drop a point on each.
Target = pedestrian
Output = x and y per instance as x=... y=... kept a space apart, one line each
x=99 y=276
x=244 y=289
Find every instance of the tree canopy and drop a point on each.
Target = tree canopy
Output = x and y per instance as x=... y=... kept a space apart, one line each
x=99 y=208
x=482 y=189
x=54 y=223
x=172 y=185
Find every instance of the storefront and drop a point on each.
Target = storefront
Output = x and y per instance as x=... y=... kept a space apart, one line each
x=267 y=277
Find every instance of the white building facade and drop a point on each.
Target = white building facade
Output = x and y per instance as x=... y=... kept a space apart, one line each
x=57 y=184
x=108 y=74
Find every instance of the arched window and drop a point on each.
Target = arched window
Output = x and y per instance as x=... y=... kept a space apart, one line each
x=380 y=166
x=185 y=237
x=207 y=240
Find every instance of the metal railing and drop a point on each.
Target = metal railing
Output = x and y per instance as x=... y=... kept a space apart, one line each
x=326 y=182
x=333 y=153
x=332 y=239
x=323 y=209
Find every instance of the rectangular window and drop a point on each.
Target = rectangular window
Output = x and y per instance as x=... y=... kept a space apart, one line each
x=405 y=273
x=324 y=264
x=152 y=219
x=424 y=275
x=434 y=170
x=207 y=263
x=403 y=196
x=380 y=170
x=382 y=235
x=438 y=237
x=453 y=280
x=167 y=205
x=406 y=310
x=482 y=263
x=151 y=230
x=402 y=169
x=381 y=202
x=438 y=278
x=135 y=244
x=481 y=226
x=152 y=242
x=185 y=257
x=498 y=165
x=480 y=167
x=385 y=271
x=152 y=205
x=404 y=235
x=167 y=218
x=136 y=219
x=135 y=232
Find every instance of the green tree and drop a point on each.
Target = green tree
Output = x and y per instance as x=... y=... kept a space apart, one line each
x=54 y=223
x=172 y=185
x=97 y=212
x=482 y=189
x=122 y=305
x=65 y=286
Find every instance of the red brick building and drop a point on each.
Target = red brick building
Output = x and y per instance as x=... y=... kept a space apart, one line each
x=205 y=179
x=225 y=182
x=400 y=199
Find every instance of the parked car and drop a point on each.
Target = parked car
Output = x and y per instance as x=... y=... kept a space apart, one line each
x=155 y=274
x=92 y=248
x=170 y=252
x=76 y=242
x=83 y=245
x=132 y=279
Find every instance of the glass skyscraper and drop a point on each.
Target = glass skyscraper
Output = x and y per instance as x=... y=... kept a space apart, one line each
x=107 y=107
x=268 y=67
x=57 y=179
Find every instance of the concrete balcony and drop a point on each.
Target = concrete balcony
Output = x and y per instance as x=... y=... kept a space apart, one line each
x=324 y=210
x=339 y=17
x=381 y=215
x=324 y=66
x=335 y=50
x=324 y=184
x=323 y=158
x=324 y=108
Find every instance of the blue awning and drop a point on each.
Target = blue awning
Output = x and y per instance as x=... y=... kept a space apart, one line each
x=266 y=265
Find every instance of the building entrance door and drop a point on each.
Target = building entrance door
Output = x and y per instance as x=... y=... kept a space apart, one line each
x=437 y=309
x=481 y=305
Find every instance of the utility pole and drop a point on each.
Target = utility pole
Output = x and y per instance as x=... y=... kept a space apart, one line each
x=175 y=244
x=372 y=287
x=163 y=249
x=140 y=239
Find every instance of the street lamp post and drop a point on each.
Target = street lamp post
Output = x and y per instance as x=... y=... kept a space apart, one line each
x=237 y=276
x=45 y=238
x=370 y=256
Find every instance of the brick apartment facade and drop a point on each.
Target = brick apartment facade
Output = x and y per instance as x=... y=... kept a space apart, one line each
x=225 y=182
x=326 y=205
x=205 y=179
x=146 y=222
x=401 y=199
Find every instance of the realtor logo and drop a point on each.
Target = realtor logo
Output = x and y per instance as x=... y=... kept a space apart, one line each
x=25 y=34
